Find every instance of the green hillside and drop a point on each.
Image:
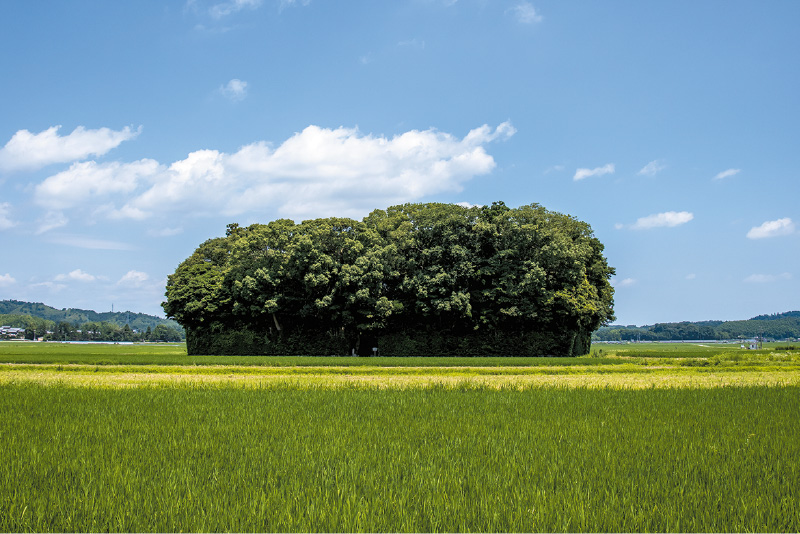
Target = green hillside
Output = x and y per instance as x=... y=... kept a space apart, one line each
x=778 y=326
x=78 y=317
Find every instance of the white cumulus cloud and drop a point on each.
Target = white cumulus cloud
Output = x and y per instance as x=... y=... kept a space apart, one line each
x=89 y=181
x=318 y=172
x=667 y=219
x=726 y=174
x=29 y=151
x=235 y=90
x=6 y=280
x=652 y=168
x=133 y=279
x=77 y=274
x=580 y=174
x=526 y=13
x=776 y=228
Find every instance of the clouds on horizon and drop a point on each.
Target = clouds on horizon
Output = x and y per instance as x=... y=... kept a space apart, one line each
x=318 y=171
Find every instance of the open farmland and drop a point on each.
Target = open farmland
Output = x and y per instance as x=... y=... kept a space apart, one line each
x=145 y=438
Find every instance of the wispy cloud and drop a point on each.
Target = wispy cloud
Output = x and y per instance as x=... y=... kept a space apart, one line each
x=166 y=232
x=51 y=220
x=235 y=90
x=776 y=228
x=416 y=43
x=767 y=278
x=29 y=151
x=625 y=282
x=52 y=286
x=223 y=9
x=6 y=280
x=726 y=174
x=580 y=174
x=5 y=216
x=652 y=168
x=525 y=13
x=91 y=243
x=554 y=168
x=668 y=219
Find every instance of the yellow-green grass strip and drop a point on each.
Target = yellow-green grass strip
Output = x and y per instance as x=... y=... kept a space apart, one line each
x=627 y=377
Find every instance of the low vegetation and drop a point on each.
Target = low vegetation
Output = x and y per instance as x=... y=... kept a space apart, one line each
x=422 y=459
x=632 y=438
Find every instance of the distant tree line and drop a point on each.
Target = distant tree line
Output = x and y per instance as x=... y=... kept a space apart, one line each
x=38 y=328
x=777 y=326
x=416 y=279
x=105 y=331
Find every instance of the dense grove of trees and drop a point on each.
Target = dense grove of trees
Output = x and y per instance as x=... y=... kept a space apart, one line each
x=778 y=326
x=424 y=279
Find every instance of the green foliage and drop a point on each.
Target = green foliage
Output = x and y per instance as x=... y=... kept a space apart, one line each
x=416 y=279
x=418 y=460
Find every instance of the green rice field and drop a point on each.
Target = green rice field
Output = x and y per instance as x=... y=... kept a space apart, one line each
x=144 y=438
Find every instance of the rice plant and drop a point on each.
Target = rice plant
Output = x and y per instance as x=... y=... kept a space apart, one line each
x=283 y=458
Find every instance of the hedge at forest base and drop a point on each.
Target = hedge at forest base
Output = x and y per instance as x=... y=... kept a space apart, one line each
x=246 y=342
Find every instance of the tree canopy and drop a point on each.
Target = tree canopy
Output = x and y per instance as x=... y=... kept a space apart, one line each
x=411 y=279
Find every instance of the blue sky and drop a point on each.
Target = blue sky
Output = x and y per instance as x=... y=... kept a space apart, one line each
x=130 y=132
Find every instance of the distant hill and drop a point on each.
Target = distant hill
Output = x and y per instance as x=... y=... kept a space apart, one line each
x=779 y=326
x=77 y=317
